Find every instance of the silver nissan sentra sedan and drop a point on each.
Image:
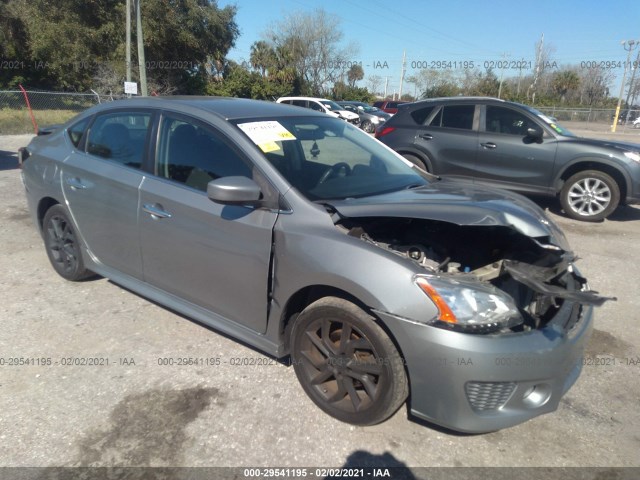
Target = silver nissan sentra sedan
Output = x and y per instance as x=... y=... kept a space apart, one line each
x=301 y=235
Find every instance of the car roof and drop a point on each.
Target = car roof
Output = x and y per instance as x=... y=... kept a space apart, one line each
x=317 y=99
x=225 y=107
x=460 y=99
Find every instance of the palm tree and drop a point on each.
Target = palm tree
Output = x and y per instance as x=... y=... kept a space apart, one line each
x=564 y=82
x=262 y=57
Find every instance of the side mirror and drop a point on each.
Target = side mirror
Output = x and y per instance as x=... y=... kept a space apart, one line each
x=535 y=133
x=234 y=191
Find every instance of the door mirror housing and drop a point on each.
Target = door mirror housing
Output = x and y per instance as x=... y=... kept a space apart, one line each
x=234 y=191
x=535 y=134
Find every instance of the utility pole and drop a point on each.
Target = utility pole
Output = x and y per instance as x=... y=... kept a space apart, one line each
x=386 y=84
x=404 y=56
x=141 y=60
x=128 y=40
x=504 y=55
x=629 y=46
x=633 y=76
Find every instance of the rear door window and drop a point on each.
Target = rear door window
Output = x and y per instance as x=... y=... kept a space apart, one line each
x=454 y=116
x=120 y=137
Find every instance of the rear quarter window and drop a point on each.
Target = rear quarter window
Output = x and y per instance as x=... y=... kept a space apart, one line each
x=76 y=131
x=420 y=115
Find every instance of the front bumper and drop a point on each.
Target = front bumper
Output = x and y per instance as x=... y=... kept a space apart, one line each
x=481 y=383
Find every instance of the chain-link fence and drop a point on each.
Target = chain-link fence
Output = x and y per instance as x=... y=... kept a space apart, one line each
x=598 y=119
x=48 y=108
x=57 y=107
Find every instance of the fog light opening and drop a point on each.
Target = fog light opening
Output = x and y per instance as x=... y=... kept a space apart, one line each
x=536 y=395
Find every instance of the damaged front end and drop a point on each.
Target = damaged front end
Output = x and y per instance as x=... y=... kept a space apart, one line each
x=483 y=279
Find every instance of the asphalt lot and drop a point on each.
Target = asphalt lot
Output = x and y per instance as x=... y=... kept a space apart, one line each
x=134 y=411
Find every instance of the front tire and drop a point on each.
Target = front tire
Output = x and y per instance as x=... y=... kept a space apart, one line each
x=346 y=363
x=590 y=196
x=62 y=245
x=367 y=126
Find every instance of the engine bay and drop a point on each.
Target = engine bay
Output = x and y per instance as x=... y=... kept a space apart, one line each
x=538 y=275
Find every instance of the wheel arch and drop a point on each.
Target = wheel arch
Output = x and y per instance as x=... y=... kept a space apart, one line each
x=44 y=205
x=309 y=294
x=588 y=164
x=420 y=155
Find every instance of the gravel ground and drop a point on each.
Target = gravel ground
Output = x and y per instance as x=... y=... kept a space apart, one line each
x=136 y=412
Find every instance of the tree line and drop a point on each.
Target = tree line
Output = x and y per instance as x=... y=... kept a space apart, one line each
x=78 y=45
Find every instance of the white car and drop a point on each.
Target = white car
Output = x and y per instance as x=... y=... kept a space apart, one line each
x=636 y=123
x=322 y=105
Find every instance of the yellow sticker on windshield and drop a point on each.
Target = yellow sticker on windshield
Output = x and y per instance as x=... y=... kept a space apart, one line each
x=264 y=133
x=269 y=147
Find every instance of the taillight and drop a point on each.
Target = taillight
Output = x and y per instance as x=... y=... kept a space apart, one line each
x=382 y=131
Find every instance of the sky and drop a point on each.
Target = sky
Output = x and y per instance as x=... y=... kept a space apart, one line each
x=458 y=31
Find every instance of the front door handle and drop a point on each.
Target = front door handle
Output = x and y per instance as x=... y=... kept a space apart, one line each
x=75 y=183
x=426 y=136
x=490 y=145
x=155 y=211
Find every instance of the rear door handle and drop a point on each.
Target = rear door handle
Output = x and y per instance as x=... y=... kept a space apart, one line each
x=490 y=145
x=155 y=211
x=426 y=136
x=75 y=183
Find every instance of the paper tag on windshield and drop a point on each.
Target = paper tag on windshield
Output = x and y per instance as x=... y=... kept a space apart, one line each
x=264 y=133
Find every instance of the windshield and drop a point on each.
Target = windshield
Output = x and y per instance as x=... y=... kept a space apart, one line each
x=331 y=105
x=326 y=158
x=551 y=122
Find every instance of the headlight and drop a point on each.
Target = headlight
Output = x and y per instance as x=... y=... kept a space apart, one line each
x=635 y=156
x=469 y=307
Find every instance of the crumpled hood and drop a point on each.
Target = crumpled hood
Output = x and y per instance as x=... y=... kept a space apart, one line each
x=347 y=114
x=460 y=203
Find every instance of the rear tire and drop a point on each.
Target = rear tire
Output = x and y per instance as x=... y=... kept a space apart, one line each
x=416 y=161
x=590 y=196
x=346 y=363
x=62 y=245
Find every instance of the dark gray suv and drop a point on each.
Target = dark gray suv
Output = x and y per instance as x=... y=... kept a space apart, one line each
x=513 y=146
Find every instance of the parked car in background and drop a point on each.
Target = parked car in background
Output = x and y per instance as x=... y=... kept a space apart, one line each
x=389 y=106
x=508 y=145
x=322 y=105
x=301 y=235
x=370 y=117
x=636 y=123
